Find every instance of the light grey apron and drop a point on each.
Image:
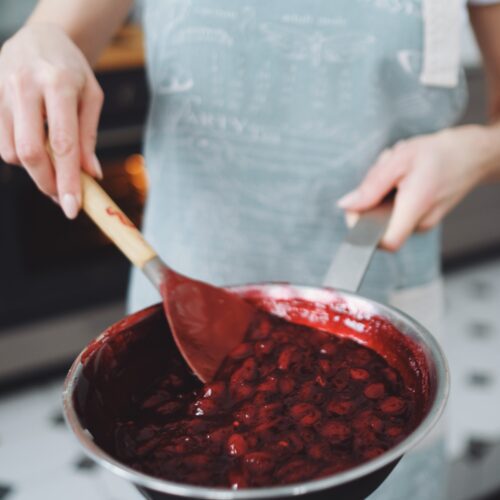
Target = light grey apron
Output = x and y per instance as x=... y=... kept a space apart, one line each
x=263 y=114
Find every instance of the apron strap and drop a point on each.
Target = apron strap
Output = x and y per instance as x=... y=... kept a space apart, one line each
x=441 y=54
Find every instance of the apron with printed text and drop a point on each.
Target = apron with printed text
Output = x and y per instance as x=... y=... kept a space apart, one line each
x=262 y=115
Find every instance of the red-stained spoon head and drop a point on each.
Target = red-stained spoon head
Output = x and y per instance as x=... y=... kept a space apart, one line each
x=207 y=322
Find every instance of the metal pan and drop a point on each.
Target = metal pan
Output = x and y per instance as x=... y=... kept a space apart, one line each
x=346 y=273
x=355 y=483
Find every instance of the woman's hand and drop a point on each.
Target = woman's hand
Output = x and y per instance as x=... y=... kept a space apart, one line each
x=45 y=79
x=431 y=173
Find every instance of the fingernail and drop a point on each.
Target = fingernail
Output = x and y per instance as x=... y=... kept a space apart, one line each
x=97 y=167
x=386 y=154
x=349 y=200
x=351 y=218
x=70 y=205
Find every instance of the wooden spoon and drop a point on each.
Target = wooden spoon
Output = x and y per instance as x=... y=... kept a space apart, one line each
x=207 y=322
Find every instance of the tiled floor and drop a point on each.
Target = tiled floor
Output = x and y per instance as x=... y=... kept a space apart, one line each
x=40 y=460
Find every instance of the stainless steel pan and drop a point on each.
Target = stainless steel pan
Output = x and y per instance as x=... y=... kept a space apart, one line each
x=352 y=484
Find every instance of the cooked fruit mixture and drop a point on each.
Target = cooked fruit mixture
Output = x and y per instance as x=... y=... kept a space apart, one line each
x=290 y=404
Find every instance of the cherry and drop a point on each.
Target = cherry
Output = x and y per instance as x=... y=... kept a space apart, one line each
x=391 y=375
x=305 y=413
x=215 y=390
x=286 y=385
x=364 y=439
x=264 y=347
x=328 y=349
x=394 y=431
x=308 y=435
x=335 y=432
x=307 y=391
x=366 y=420
x=247 y=372
x=293 y=443
x=184 y=444
x=321 y=381
x=340 y=380
x=374 y=391
x=359 y=374
x=370 y=453
x=340 y=407
x=268 y=427
x=259 y=462
x=319 y=451
x=146 y=433
x=237 y=479
x=270 y=384
x=286 y=357
x=240 y=392
x=170 y=381
x=205 y=407
x=326 y=366
x=261 y=398
x=295 y=471
x=198 y=461
x=241 y=351
x=149 y=445
x=236 y=445
x=270 y=410
x=262 y=331
x=220 y=435
x=359 y=357
x=393 y=405
x=375 y=423
x=155 y=400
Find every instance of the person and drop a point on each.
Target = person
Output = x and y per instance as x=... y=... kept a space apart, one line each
x=263 y=116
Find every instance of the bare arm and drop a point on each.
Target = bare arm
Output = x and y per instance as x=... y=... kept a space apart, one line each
x=89 y=23
x=486 y=23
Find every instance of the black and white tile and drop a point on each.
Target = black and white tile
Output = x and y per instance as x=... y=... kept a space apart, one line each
x=40 y=460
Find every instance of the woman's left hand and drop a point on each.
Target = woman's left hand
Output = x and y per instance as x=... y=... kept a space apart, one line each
x=431 y=173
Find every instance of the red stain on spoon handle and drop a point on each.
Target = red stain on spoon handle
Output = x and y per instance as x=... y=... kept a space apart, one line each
x=120 y=215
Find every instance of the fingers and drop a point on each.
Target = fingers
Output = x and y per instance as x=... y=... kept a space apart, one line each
x=432 y=218
x=90 y=109
x=7 y=145
x=378 y=182
x=62 y=117
x=29 y=138
x=72 y=135
x=411 y=204
x=414 y=202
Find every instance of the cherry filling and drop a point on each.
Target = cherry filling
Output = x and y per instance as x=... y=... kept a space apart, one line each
x=290 y=404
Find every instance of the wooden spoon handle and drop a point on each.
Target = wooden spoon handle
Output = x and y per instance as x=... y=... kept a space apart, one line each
x=114 y=223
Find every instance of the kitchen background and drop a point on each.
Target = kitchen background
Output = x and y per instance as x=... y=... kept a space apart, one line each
x=62 y=283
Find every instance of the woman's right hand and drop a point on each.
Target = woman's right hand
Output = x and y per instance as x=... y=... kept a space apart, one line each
x=45 y=78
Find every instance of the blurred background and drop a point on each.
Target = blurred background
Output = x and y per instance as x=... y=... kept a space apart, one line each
x=62 y=283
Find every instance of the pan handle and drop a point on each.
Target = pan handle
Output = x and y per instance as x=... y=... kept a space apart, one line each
x=351 y=261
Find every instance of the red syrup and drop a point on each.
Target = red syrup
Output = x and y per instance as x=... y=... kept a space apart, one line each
x=290 y=404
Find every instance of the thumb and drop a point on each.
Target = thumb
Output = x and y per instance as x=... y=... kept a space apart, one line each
x=91 y=104
x=380 y=180
x=411 y=203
